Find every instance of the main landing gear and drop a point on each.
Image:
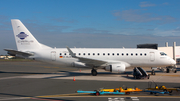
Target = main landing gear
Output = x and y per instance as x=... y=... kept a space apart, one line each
x=93 y=72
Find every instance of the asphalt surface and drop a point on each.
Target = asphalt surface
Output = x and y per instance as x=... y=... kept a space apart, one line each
x=36 y=81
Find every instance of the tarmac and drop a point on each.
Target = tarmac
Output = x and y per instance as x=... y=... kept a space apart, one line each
x=35 y=81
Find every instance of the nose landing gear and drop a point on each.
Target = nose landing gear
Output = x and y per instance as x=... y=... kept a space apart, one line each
x=171 y=68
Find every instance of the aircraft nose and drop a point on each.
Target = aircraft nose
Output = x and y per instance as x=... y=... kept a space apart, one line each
x=173 y=62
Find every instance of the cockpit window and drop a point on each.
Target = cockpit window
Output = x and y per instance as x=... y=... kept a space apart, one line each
x=163 y=54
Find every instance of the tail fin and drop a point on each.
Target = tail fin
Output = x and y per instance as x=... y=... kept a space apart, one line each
x=24 y=39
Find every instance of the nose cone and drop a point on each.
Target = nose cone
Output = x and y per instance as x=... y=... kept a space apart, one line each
x=173 y=62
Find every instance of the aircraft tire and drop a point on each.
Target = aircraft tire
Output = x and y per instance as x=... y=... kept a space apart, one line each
x=167 y=70
x=97 y=93
x=93 y=72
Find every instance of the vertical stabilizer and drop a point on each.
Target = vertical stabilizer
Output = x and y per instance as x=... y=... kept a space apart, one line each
x=24 y=39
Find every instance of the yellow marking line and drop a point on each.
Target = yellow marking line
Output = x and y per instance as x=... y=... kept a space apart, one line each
x=167 y=75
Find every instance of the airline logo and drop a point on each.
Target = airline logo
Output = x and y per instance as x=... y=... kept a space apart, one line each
x=22 y=35
x=60 y=56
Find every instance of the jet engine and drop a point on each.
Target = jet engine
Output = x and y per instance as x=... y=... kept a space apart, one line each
x=78 y=64
x=115 y=68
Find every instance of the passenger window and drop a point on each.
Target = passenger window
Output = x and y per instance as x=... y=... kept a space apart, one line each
x=127 y=54
x=98 y=54
x=108 y=54
x=93 y=53
x=131 y=54
x=64 y=53
x=79 y=53
x=122 y=54
x=136 y=54
x=112 y=53
x=84 y=54
x=141 y=54
x=117 y=53
x=88 y=53
x=103 y=53
x=60 y=54
x=145 y=54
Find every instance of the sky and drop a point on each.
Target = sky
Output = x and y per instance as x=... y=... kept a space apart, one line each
x=92 y=23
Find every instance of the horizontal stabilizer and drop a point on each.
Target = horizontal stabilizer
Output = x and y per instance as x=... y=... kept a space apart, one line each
x=15 y=52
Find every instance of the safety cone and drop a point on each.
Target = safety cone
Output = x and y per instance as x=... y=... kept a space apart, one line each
x=74 y=79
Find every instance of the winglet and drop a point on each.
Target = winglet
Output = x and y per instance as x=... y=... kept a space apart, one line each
x=70 y=52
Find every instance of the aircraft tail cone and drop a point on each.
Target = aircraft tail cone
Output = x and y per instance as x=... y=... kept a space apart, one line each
x=74 y=78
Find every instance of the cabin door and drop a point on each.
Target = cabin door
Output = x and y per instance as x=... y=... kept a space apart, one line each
x=152 y=56
x=53 y=55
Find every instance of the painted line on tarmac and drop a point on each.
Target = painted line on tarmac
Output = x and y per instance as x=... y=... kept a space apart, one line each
x=167 y=75
x=14 y=98
x=135 y=97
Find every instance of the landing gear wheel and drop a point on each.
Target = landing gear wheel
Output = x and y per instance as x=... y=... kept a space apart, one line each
x=148 y=76
x=167 y=70
x=153 y=73
x=93 y=72
x=175 y=71
x=97 y=93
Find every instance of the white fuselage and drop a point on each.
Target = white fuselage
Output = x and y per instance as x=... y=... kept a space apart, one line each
x=133 y=57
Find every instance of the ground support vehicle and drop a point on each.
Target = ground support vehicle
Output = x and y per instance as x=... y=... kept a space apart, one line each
x=160 y=89
x=128 y=90
x=139 y=73
x=163 y=88
x=96 y=92
x=119 y=90
x=156 y=92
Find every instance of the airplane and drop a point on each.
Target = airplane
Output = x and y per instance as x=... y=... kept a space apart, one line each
x=109 y=59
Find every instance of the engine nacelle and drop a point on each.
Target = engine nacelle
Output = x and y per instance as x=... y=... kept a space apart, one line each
x=116 y=68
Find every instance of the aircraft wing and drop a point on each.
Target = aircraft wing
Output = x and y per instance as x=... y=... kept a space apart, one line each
x=87 y=61
x=15 y=52
x=91 y=62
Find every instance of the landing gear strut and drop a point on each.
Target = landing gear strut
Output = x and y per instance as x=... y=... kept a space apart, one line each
x=171 y=68
x=93 y=72
x=152 y=72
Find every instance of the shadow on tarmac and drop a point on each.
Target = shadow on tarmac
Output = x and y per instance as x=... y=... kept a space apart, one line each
x=71 y=74
x=23 y=73
x=34 y=98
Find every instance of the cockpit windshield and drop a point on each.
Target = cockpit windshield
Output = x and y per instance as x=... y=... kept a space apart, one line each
x=163 y=54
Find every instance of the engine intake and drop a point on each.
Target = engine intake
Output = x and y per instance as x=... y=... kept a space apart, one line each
x=115 y=68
